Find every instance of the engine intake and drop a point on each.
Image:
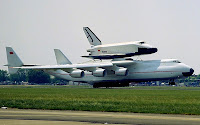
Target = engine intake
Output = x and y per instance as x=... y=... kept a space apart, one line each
x=99 y=72
x=77 y=73
x=121 y=72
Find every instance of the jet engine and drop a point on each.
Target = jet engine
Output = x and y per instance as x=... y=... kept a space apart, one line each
x=77 y=73
x=121 y=72
x=99 y=72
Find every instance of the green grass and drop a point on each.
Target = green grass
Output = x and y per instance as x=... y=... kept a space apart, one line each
x=167 y=100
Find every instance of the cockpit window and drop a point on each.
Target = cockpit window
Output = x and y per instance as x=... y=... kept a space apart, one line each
x=142 y=42
x=176 y=61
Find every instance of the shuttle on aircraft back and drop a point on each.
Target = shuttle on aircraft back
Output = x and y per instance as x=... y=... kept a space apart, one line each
x=115 y=50
x=112 y=69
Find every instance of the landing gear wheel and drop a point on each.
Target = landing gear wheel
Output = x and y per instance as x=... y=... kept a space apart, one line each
x=172 y=83
x=95 y=86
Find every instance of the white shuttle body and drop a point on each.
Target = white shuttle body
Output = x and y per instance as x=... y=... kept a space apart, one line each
x=115 y=50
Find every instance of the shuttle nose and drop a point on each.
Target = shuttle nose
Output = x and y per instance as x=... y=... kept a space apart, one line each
x=147 y=50
x=153 y=50
x=188 y=73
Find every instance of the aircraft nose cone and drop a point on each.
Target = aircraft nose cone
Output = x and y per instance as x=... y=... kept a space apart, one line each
x=188 y=73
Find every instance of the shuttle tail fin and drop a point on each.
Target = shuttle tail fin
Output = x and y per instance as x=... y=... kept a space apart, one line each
x=13 y=60
x=61 y=58
x=92 y=38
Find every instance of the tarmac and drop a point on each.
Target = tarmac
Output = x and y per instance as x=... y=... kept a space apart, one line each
x=59 y=117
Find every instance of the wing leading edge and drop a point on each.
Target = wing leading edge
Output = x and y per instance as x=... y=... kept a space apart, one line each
x=64 y=64
x=67 y=66
x=85 y=66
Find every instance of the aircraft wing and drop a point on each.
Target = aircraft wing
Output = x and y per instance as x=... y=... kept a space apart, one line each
x=67 y=66
x=14 y=63
x=84 y=66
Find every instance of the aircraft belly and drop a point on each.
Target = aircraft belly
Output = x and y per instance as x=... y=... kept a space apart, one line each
x=139 y=72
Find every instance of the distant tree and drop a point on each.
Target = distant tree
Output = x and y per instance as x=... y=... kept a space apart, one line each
x=187 y=79
x=35 y=76
x=14 y=77
x=3 y=75
x=58 y=80
x=21 y=75
x=198 y=76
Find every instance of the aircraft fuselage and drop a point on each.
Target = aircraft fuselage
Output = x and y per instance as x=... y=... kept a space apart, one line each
x=139 y=71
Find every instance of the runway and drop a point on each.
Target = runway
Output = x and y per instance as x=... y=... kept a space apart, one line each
x=51 y=117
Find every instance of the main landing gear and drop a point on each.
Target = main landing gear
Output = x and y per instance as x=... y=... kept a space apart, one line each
x=107 y=85
x=171 y=82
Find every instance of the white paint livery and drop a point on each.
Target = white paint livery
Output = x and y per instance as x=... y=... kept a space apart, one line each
x=110 y=72
x=115 y=50
x=61 y=58
x=13 y=60
x=118 y=48
x=92 y=38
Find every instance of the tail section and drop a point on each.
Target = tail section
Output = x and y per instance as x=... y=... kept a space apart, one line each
x=92 y=38
x=13 y=60
x=61 y=58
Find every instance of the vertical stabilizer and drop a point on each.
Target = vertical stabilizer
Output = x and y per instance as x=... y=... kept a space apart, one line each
x=13 y=60
x=92 y=38
x=61 y=58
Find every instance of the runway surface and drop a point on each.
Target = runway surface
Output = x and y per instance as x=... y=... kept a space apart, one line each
x=51 y=117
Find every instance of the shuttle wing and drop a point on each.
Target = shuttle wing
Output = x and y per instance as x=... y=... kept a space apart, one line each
x=110 y=56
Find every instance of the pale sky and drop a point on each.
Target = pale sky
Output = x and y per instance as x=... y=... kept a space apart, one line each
x=35 y=27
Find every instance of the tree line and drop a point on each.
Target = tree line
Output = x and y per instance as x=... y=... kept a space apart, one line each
x=31 y=76
x=39 y=76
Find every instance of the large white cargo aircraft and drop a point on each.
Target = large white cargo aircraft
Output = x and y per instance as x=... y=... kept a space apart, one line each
x=115 y=50
x=106 y=73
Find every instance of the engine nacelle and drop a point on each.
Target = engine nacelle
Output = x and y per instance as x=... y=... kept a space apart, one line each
x=121 y=72
x=77 y=73
x=99 y=72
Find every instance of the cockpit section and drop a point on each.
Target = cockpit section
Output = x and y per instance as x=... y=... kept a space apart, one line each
x=170 y=61
x=142 y=42
x=176 y=61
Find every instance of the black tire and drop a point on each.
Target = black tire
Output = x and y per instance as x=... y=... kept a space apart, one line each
x=172 y=83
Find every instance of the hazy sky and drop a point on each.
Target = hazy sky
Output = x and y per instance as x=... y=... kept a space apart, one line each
x=35 y=27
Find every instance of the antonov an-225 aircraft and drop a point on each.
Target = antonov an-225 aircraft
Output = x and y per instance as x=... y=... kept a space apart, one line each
x=106 y=73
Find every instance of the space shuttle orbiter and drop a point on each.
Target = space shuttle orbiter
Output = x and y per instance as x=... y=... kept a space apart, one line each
x=115 y=50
